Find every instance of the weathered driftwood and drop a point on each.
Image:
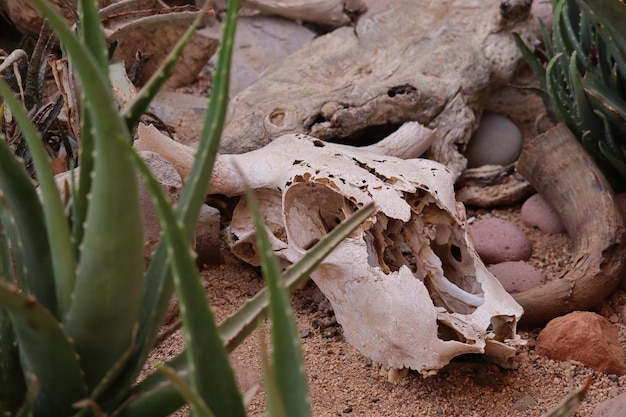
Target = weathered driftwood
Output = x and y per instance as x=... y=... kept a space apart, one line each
x=431 y=62
x=330 y=13
x=492 y=185
x=566 y=176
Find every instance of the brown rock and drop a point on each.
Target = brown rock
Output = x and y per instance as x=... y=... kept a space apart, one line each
x=584 y=337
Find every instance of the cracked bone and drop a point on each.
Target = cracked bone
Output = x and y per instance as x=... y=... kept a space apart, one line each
x=407 y=287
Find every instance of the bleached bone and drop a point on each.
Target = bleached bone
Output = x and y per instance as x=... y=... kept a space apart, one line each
x=408 y=287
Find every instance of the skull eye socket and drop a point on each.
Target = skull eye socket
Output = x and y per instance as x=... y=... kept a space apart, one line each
x=311 y=211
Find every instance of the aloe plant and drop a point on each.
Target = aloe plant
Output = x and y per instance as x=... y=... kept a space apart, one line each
x=79 y=314
x=584 y=79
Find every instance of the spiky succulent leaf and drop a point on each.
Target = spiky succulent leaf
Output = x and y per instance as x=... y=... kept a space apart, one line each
x=159 y=286
x=46 y=353
x=211 y=375
x=43 y=272
x=609 y=16
x=109 y=278
x=586 y=77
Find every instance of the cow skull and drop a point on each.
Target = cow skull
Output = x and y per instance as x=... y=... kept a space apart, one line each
x=408 y=287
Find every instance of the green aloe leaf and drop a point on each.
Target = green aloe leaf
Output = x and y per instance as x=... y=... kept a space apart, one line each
x=92 y=32
x=159 y=286
x=33 y=227
x=211 y=375
x=109 y=279
x=560 y=96
x=46 y=353
x=609 y=17
x=288 y=391
x=585 y=115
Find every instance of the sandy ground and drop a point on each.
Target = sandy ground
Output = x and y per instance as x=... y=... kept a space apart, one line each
x=342 y=381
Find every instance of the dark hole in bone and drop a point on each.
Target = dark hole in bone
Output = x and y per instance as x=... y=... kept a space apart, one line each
x=368 y=135
x=455 y=251
x=447 y=333
x=401 y=89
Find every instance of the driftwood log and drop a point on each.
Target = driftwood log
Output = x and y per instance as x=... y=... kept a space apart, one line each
x=328 y=13
x=566 y=176
x=431 y=62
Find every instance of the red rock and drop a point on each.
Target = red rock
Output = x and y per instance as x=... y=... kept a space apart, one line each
x=498 y=240
x=584 y=337
x=536 y=212
x=517 y=276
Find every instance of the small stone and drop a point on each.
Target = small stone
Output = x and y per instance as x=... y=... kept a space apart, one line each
x=305 y=333
x=585 y=337
x=517 y=276
x=525 y=403
x=497 y=240
x=347 y=410
x=611 y=408
x=536 y=212
x=497 y=141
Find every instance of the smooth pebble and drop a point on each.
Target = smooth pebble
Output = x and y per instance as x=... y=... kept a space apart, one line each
x=497 y=141
x=517 y=276
x=498 y=240
x=536 y=212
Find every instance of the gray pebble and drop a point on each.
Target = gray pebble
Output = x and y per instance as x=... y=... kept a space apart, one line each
x=497 y=141
x=497 y=240
x=536 y=212
x=517 y=276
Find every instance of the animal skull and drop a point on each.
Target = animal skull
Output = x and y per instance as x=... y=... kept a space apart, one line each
x=408 y=287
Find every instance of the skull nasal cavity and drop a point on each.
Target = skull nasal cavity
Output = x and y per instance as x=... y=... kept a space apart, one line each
x=311 y=211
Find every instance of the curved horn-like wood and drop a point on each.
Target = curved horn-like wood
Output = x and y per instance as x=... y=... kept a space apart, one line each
x=566 y=176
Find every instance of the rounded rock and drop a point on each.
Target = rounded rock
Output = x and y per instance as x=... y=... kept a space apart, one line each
x=498 y=240
x=497 y=141
x=585 y=337
x=517 y=276
x=536 y=212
